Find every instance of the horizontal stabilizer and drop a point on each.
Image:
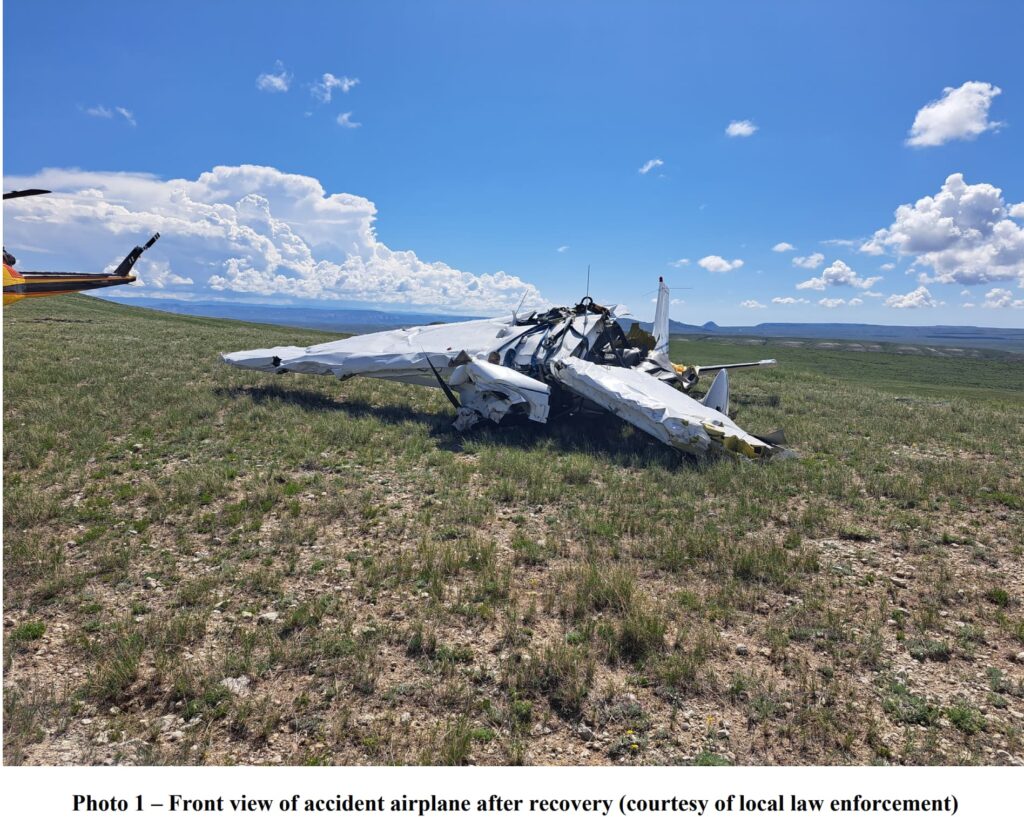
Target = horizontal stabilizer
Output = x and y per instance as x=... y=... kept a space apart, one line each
x=777 y=437
x=755 y=364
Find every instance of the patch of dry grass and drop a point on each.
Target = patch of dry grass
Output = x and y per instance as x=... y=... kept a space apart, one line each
x=205 y=565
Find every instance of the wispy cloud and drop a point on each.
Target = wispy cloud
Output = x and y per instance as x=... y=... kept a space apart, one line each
x=681 y=262
x=103 y=112
x=832 y=303
x=812 y=261
x=789 y=301
x=345 y=120
x=324 y=88
x=275 y=83
x=563 y=248
x=741 y=128
x=752 y=304
x=650 y=165
x=783 y=246
x=961 y=113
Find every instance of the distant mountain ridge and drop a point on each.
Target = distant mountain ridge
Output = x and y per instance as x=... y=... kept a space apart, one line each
x=978 y=336
x=359 y=321
x=345 y=321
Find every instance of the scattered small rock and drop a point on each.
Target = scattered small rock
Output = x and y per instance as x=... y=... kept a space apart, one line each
x=150 y=583
x=237 y=686
x=742 y=649
x=585 y=733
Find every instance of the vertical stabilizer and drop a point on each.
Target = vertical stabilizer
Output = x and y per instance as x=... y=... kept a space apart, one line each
x=717 y=397
x=661 y=320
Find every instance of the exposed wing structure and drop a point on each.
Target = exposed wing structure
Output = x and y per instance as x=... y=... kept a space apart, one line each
x=574 y=355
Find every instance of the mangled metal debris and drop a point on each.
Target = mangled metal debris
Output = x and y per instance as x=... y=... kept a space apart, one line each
x=563 y=360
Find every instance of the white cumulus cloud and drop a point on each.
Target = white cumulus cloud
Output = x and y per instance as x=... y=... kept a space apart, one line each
x=740 y=127
x=323 y=89
x=918 y=299
x=964 y=234
x=156 y=274
x=832 y=303
x=812 y=261
x=752 y=304
x=650 y=165
x=345 y=120
x=246 y=232
x=1002 y=299
x=787 y=301
x=275 y=83
x=715 y=263
x=783 y=246
x=839 y=274
x=961 y=113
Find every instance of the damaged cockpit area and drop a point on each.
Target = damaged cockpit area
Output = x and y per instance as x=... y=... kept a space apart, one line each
x=575 y=357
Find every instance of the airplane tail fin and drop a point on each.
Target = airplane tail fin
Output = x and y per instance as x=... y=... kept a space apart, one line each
x=717 y=397
x=661 y=319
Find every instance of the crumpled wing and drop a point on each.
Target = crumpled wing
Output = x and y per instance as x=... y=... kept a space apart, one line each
x=405 y=355
x=658 y=409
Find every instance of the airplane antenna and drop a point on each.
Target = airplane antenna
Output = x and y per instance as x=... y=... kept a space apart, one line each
x=588 y=280
x=515 y=312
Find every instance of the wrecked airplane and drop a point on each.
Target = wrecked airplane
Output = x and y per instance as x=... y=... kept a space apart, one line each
x=563 y=360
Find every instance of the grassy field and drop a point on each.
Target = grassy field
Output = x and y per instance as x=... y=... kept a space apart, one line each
x=206 y=565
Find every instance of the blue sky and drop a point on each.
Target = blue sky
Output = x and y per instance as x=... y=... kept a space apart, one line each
x=483 y=137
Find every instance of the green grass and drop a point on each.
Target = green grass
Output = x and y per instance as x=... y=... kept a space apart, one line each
x=390 y=591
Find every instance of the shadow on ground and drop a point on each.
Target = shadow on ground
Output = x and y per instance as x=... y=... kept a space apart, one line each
x=586 y=433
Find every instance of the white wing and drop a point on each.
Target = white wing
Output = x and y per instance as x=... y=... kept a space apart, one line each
x=657 y=408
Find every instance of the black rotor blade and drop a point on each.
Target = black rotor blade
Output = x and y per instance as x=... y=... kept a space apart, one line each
x=17 y=194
